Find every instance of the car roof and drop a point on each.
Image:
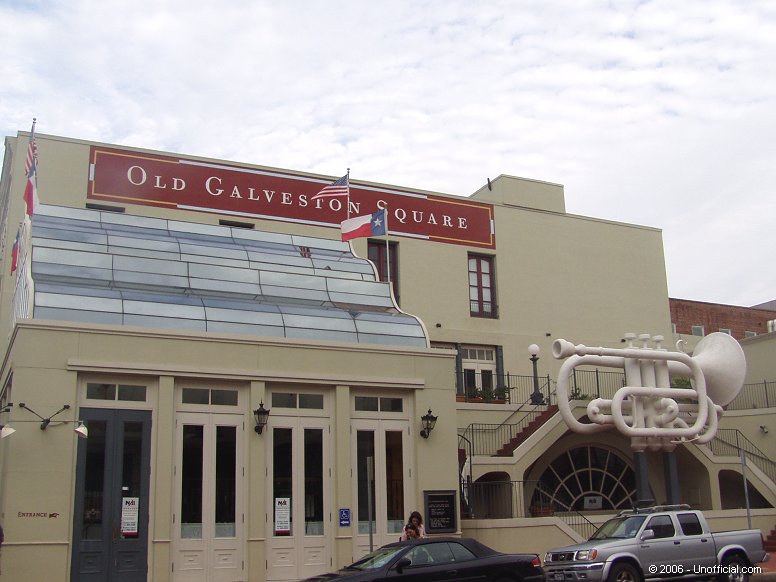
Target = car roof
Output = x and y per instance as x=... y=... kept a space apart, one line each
x=472 y=544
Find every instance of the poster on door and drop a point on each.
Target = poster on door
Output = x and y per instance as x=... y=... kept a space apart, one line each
x=130 y=510
x=282 y=515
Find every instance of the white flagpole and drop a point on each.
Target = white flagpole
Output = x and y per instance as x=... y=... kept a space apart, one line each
x=387 y=249
x=348 y=202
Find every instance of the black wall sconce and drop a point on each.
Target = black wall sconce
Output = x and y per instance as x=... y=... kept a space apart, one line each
x=45 y=421
x=428 y=420
x=261 y=415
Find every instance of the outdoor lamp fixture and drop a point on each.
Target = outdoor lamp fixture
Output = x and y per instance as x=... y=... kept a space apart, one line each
x=536 y=395
x=6 y=430
x=428 y=420
x=763 y=429
x=261 y=415
x=46 y=421
x=81 y=430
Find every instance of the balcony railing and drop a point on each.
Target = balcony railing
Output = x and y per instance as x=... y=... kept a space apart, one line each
x=510 y=499
x=487 y=386
x=752 y=396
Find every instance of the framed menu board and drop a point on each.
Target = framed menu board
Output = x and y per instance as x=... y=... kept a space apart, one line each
x=441 y=514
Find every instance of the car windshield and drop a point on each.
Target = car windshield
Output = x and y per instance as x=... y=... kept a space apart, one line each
x=619 y=527
x=376 y=559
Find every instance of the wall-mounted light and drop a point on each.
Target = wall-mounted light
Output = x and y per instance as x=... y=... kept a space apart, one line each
x=6 y=430
x=81 y=430
x=45 y=421
x=261 y=415
x=764 y=429
x=428 y=420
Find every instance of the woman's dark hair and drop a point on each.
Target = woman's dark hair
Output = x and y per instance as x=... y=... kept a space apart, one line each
x=416 y=514
x=413 y=527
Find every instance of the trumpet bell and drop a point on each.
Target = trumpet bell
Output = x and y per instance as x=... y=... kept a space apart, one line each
x=724 y=366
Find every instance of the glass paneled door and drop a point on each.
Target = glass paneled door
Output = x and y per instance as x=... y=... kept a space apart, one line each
x=208 y=512
x=382 y=474
x=110 y=519
x=298 y=513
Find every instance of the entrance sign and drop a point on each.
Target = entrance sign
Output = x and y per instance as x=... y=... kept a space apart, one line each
x=344 y=517
x=282 y=515
x=131 y=177
x=440 y=511
x=130 y=510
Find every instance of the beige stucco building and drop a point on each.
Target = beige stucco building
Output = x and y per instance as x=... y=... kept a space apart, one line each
x=161 y=300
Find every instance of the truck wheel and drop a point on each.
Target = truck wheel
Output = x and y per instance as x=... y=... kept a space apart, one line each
x=624 y=572
x=733 y=569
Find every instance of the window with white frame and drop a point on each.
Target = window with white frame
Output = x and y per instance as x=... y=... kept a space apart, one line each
x=698 y=330
x=479 y=370
x=482 y=286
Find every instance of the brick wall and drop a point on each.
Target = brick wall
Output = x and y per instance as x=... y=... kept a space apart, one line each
x=716 y=316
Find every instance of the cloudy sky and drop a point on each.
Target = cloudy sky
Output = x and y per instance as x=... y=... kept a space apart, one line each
x=660 y=113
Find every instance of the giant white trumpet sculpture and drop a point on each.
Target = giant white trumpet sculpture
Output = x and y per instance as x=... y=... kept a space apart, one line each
x=647 y=409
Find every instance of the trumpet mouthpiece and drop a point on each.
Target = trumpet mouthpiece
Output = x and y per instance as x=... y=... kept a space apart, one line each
x=562 y=349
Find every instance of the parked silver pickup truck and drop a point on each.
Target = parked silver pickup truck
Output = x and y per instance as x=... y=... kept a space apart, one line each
x=665 y=542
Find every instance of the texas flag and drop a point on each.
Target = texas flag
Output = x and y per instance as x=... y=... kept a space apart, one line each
x=15 y=252
x=374 y=224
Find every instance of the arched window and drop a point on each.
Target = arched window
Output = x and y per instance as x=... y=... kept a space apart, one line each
x=587 y=477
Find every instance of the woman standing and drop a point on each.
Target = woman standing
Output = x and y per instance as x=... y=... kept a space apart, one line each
x=416 y=520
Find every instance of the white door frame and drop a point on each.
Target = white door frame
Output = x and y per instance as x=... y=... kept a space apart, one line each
x=302 y=553
x=382 y=534
x=214 y=555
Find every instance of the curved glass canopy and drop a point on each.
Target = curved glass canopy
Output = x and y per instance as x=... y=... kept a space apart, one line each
x=104 y=267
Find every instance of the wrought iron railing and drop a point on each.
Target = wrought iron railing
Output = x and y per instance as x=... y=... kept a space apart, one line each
x=511 y=499
x=487 y=386
x=589 y=384
x=487 y=439
x=731 y=441
x=757 y=395
x=501 y=499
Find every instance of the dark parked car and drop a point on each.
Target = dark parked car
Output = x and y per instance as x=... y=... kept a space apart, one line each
x=439 y=559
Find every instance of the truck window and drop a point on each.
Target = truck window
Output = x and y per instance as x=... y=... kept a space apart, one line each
x=690 y=524
x=619 y=527
x=662 y=526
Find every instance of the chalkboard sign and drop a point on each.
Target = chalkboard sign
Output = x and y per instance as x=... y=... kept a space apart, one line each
x=440 y=512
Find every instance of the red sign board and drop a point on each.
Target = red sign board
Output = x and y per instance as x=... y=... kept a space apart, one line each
x=137 y=178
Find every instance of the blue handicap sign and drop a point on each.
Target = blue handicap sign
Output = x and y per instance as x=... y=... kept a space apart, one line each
x=344 y=514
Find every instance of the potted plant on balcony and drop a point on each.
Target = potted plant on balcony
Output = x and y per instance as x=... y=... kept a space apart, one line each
x=473 y=394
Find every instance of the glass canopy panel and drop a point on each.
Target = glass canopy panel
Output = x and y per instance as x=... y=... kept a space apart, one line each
x=89 y=265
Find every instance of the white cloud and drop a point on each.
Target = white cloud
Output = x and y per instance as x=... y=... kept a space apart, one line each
x=657 y=112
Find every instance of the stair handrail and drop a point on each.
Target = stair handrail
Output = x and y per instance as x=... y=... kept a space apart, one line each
x=581 y=528
x=507 y=430
x=758 y=457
